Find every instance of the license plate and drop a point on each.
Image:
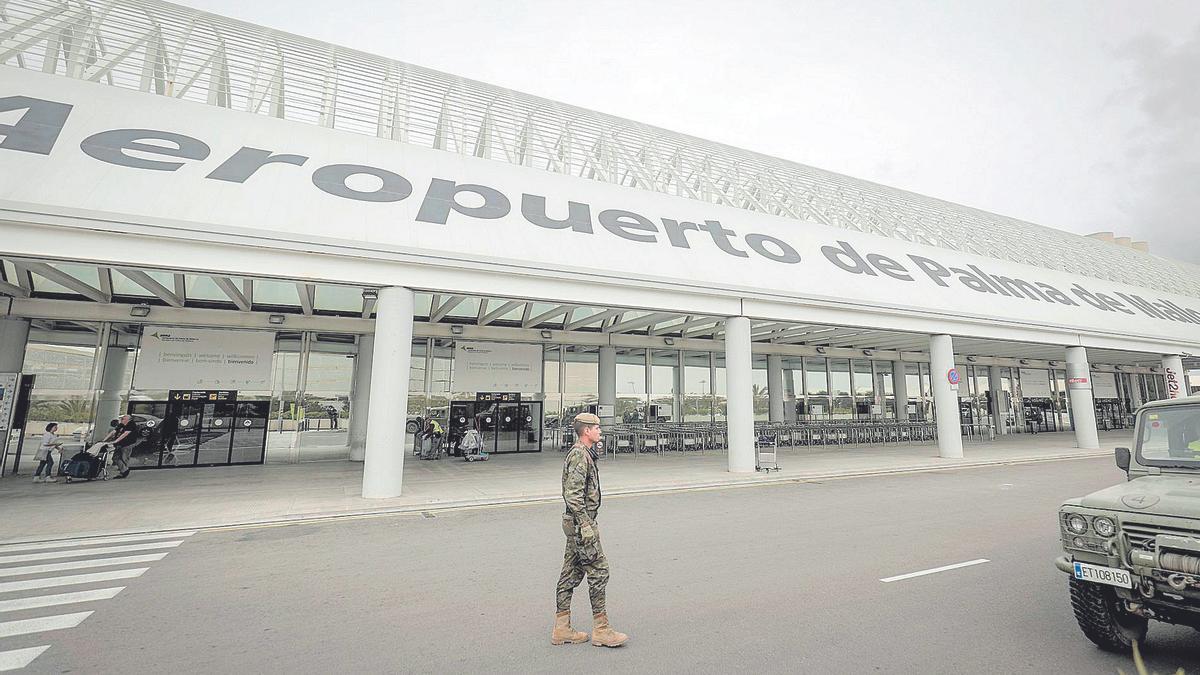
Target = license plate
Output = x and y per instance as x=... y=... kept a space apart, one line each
x=1103 y=575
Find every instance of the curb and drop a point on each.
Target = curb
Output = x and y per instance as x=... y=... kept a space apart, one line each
x=728 y=483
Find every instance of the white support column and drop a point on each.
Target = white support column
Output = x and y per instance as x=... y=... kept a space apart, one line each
x=360 y=398
x=789 y=402
x=1175 y=375
x=112 y=382
x=1083 y=411
x=739 y=385
x=999 y=405
x=383 y=467
x=945 y=397
x=14 y=336
x=607 y=385
x=900 y=389
x=775 y=393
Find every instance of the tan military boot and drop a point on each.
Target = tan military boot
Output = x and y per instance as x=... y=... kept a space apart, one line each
x=563 y=633
x=603 y=635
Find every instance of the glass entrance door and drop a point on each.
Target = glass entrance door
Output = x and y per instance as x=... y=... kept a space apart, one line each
x=508 y=432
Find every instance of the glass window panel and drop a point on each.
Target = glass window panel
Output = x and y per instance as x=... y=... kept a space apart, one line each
x=720 y=406
x=839 y=377
x=665 y=366
x=697 y=388
x=422 y=303
x=815 y=377
x=581 y=371
x=550 y=369
x=864 y=385
x=89 y=275
x=201 y=287
x=631 y=372
x=268 y=292
x=59 y=367
x=468 y=308
x=338 y=299
x=329 y=372
x=121 y=284
x=631 y=386
x=758 y=388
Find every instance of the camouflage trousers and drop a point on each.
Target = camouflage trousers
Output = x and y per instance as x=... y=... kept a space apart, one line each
x=574 y=570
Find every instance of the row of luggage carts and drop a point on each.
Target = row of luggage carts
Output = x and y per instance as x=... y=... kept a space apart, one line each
x=846 y=432
x=661 y=438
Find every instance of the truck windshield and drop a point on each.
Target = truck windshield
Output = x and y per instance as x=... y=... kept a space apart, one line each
x=1170 y=437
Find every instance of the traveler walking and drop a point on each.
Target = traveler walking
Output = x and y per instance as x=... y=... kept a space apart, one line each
x=45 y=454
x=124 y=437
x=584 y=554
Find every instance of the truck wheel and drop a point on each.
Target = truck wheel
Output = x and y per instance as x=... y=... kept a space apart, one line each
x=1102 y=618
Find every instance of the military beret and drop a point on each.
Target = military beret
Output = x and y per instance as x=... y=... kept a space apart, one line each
x=586 y=418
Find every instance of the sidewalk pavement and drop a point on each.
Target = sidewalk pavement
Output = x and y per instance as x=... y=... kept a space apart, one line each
x=171 y=499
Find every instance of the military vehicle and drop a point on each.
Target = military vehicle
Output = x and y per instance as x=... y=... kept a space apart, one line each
x=1133 y=550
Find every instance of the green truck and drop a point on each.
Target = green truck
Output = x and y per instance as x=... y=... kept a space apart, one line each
x=1132 y=551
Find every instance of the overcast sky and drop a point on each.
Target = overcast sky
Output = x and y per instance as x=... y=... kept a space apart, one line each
x=1078 y=114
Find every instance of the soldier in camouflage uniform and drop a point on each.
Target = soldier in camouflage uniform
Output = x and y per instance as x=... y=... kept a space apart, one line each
x=584 y=555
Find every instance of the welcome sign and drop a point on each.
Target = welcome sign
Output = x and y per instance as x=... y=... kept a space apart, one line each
x=204 y=358
x=80 y=145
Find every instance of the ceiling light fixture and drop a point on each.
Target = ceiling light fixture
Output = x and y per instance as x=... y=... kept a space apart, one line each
x=370 y=294
x=668 y=341
x=868 y=352
x=546 y=335
x=821 y=350
x=139 y=310
x=276 y=319
x=456 y=329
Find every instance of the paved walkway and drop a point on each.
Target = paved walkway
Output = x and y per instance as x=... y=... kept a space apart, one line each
x=190 y=498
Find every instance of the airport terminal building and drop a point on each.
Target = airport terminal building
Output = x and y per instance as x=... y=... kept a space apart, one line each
x=272 y=249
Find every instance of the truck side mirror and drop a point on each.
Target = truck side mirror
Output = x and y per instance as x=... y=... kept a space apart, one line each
x=1123 y=459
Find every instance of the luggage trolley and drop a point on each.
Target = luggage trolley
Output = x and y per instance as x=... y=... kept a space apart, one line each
x=766 y=452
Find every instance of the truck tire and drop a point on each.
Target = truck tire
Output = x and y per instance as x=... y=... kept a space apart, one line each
x=1102 y=618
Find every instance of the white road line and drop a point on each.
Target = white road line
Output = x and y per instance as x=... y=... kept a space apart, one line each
x=59 y=599
x=15 y=659
x=80 y=564
x=935 y=570
x=67 y=543
x=42 y=624
x=70 y=580
x=81 y=552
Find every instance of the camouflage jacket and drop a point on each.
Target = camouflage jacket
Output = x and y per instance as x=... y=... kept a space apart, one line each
x=581 y=485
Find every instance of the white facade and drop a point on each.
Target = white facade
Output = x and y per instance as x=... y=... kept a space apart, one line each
x=555 y=225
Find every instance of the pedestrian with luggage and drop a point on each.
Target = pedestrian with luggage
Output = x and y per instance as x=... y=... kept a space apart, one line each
x=45 y=454
x=123 y=438
x=584 y=555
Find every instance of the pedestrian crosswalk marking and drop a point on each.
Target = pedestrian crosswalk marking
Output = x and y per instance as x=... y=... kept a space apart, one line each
x=15 y=659
x=65 y=543
x=41 y=624
x=37 y=569
x=81 y=552
x=70 y=580
x=79 y=564
x=59 y=599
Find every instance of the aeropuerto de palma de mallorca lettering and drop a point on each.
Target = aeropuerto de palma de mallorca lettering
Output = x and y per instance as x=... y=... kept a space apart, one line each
x=238 y=236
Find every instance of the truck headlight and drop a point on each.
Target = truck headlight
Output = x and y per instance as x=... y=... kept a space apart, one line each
x=1105 y=527
x=1077 y=523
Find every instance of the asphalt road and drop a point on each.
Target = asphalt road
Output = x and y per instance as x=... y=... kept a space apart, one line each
x=781 y=578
